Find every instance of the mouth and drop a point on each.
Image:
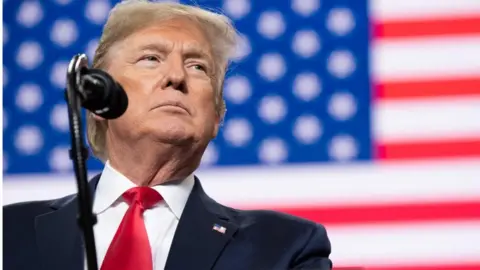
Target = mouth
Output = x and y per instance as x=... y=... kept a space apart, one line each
x=173 y=106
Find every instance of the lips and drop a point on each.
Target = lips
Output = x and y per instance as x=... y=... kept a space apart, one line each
x=173 y=103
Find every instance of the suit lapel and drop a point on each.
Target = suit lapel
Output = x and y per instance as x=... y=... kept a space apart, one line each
x=195 y=236
x=60 y=240
x=58 y=235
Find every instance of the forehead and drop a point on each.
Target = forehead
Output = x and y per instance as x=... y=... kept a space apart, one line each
x=174 y=31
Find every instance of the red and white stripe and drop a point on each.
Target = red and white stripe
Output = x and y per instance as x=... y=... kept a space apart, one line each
x=426 y=73
x=426 y=69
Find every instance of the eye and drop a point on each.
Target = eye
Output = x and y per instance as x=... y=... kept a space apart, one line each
x=199 y=67
x=149 y=61
x=150 y=58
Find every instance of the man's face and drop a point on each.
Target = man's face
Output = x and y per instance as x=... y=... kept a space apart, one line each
x=167 y=71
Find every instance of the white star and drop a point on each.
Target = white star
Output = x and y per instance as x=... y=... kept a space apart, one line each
x=305 y=7
x=237 y=89
x=60 y=159
x=29 y=140
x=307 y=86
x=271 y=66
x=306 y=43
x=271 y=24
x=307 y=129
x=64 y=32
x=238 y=132
x=58 y=74
x=272 y=109
x=273 y=151
x=30 y=55
x=342 y=106
x=343 y=148
x=236 y=9
x=340 y=21
x=341 y=64
x=97 y=11
x=29 y=97
x=59 y=117
x=30 y=13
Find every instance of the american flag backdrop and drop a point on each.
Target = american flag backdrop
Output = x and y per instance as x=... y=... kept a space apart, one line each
x=361 y=115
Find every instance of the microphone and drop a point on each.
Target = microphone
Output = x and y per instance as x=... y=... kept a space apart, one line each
x=102 y=95
x=97 y=90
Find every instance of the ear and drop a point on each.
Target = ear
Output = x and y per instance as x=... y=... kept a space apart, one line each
x=216 y=127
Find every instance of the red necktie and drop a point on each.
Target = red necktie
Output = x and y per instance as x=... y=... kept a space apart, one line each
x=130 y=248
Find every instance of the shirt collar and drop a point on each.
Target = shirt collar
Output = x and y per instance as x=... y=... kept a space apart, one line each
x=113 y=184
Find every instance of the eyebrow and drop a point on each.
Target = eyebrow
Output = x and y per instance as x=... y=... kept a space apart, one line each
x=189 y=50
x=158 y=46
x=192 y=50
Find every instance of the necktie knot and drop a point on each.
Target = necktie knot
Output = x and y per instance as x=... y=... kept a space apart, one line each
x=146 y=197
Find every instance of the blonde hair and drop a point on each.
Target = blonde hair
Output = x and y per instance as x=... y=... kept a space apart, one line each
x=130 y=16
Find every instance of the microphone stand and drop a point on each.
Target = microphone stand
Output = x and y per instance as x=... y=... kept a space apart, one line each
x=79 y=154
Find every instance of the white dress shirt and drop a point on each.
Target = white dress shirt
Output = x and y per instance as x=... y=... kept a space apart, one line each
x=160 y=221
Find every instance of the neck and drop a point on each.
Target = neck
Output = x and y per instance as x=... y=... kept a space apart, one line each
x=152 y=163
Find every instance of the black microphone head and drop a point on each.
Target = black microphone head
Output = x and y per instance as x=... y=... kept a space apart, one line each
x=104 y=96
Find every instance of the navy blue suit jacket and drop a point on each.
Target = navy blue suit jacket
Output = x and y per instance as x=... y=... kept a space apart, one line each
x=45 y=235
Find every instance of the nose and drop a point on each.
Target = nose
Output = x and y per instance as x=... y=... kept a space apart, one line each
x=175 y=76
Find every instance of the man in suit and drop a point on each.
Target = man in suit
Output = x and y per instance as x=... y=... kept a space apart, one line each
x=152 y=211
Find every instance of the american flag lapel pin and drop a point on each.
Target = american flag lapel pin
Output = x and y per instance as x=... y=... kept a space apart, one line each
x=219 y=228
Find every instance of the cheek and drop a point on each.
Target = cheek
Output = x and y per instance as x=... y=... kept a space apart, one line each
x=138 y=89
x=207 y=101
x=132 y=85
x=134 y=81
x=208 y=110
x=138 y=103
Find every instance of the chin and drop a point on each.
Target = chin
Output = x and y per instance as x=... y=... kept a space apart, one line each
x=177 y=136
